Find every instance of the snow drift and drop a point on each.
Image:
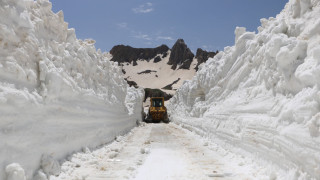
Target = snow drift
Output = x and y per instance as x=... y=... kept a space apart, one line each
x=262 y=95
x=57 y=93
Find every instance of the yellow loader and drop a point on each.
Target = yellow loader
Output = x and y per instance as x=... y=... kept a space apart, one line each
x=157 y=111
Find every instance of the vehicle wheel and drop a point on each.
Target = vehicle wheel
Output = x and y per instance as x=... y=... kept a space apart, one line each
x=166 y=118
x=166 y=121
x=148 y=119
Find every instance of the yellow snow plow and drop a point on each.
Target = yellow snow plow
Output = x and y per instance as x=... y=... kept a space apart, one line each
x=157 y=111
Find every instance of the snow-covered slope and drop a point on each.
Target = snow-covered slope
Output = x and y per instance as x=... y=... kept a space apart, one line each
x=57 y=93
x=262 y=95
x=161 y=74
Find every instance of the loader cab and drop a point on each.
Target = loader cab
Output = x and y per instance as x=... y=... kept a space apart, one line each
x=157 y=102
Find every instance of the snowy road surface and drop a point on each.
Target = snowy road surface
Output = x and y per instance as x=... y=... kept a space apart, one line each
x=159 y=151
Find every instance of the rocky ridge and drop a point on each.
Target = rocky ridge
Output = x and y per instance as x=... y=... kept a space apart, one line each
x=202 y=56
x=128 y=54
x=180 y=55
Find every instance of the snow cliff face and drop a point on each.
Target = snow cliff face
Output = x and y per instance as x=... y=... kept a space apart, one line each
x=262 y=95
x=57 y=93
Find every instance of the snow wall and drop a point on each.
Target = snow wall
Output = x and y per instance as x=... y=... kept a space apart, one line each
x=57 y=93
x=262 y=96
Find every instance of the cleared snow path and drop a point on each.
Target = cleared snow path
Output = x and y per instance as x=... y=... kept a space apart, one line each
x=159 y=151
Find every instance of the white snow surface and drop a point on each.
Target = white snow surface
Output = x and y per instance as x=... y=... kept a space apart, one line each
x=58 y=94
x=161 y=152
x=161 y=74
x=261 y=97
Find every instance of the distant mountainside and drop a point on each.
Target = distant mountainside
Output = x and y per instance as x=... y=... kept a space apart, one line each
x=159 y=69
x=181 y=56
x=129 y=54
x=202 y=56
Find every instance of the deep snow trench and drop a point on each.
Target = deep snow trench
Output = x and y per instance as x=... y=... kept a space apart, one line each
x=160 y=151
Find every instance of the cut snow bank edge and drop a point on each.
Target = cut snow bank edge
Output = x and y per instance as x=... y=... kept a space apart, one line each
x=57 y=93
x=263 y=94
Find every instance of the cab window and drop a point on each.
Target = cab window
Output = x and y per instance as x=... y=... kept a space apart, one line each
x=157 y=102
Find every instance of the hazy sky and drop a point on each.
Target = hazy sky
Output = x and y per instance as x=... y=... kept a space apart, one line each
x=208 y=24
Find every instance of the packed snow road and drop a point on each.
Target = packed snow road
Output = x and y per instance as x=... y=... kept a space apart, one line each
x=159 y=151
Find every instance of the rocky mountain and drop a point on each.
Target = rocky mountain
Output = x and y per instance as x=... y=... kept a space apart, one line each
x=122 y=54
x=180 y=55
x=202 y=56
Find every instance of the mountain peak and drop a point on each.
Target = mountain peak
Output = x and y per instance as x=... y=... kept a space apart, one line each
x=180 y=55
x=180 y=41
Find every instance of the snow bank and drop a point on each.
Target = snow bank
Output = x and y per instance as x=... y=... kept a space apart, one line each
x=57 y=93
x=262 y=95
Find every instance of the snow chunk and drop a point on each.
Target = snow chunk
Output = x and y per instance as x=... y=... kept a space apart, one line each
x=49 y=165
x=239 y=31
x=144 y=150
x=300 y=7
x=40 y=176
x=314 y=125
x=15 y=172
x=113 y=154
